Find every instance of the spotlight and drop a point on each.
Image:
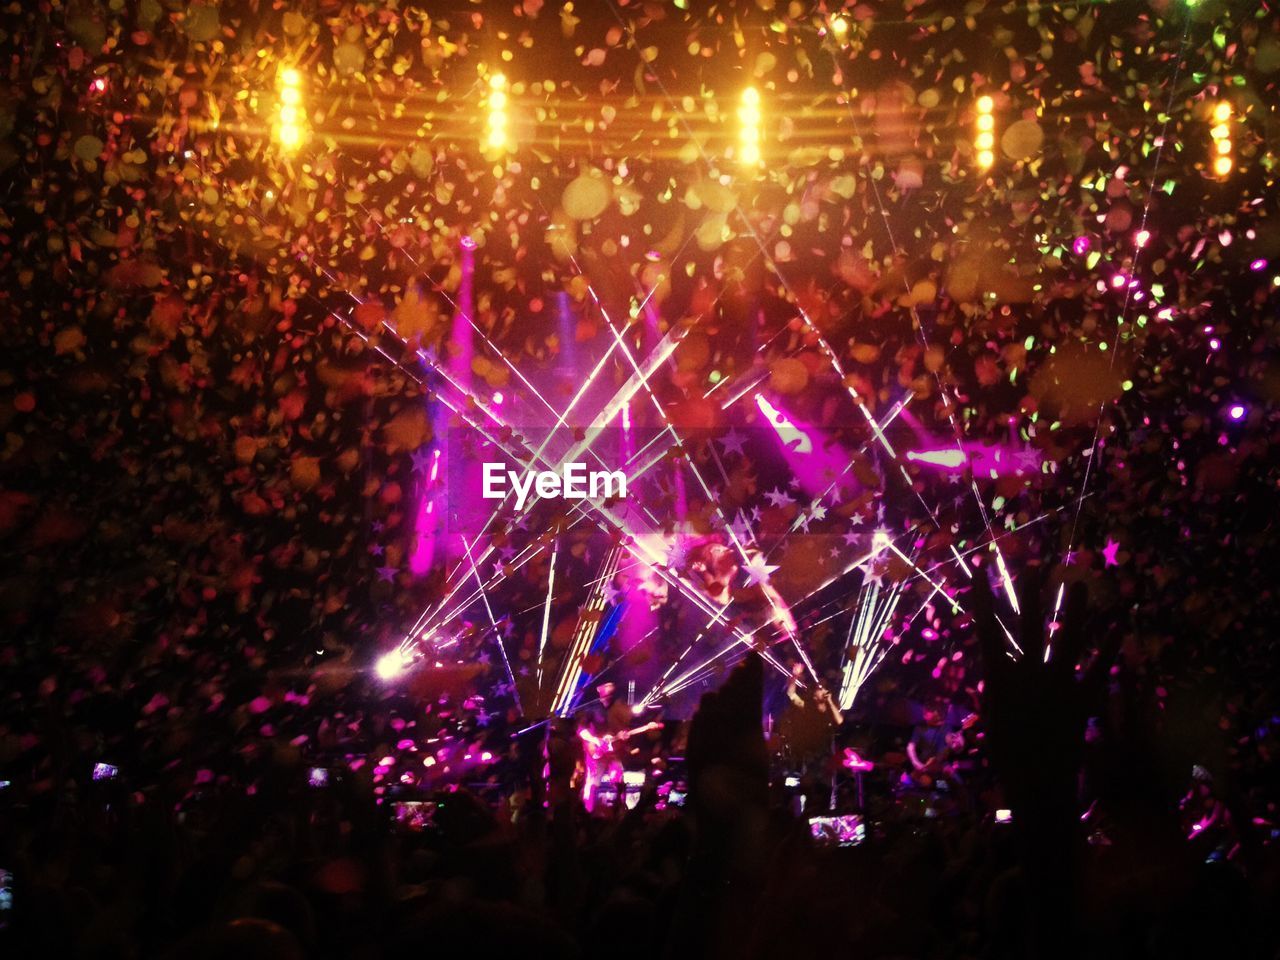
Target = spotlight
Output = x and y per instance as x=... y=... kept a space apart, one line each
x=1221 y=134
x=749 y=131
x=985 y=140
x=1237 y=411
x=290 y=127
x=391 y=664
x=496 y=139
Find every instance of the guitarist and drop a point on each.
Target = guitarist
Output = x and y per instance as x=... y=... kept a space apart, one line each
x=604 y=734
x=935 y=747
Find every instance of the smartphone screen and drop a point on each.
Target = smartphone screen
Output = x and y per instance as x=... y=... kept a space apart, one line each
x=845 y=831
x=105 y=771
x=415 y=815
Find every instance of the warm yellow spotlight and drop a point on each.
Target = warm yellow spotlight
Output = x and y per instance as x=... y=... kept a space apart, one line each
x=749 y=117
x=290 y=126
x=496 y=138
x=985 y=140
x=1221 y=134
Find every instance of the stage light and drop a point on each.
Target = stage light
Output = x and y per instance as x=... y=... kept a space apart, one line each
x=1221 y=134
x=496 y=138
x=985 y=140
x=749 y=131
x=290 y=127
x=839 y=27
x=1237 y=412
x=390 y=665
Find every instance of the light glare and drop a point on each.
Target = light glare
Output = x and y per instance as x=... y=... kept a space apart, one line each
x=390 y=665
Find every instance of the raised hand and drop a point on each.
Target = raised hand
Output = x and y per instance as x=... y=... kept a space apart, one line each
x=728 y=768
x=1035 y=704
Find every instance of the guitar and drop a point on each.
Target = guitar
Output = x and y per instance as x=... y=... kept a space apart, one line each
x=943 y=766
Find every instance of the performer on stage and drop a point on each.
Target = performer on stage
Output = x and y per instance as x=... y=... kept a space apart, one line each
x=809 y=719
x=937 y=745
x=605 y=734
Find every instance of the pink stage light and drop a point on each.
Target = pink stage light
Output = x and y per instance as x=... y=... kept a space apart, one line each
x=951 y=459
x=985 y=460
x=794 y=438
